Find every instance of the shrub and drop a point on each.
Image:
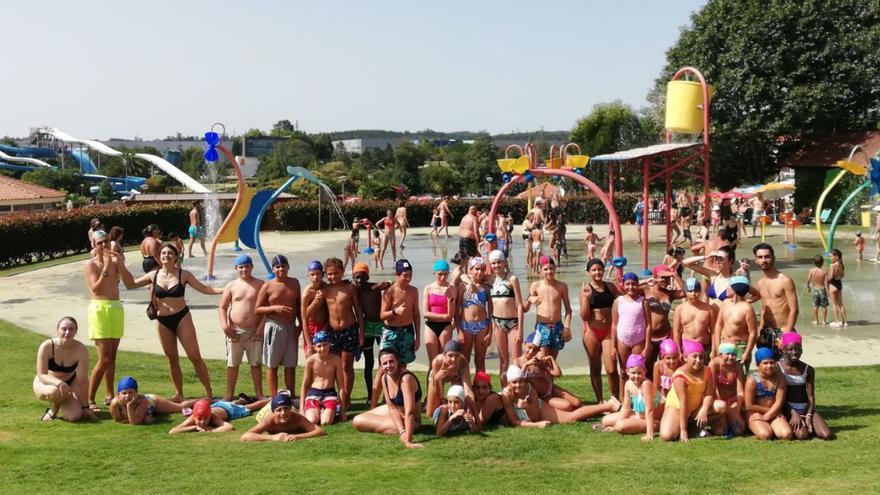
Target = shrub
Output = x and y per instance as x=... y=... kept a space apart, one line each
x=29 y=237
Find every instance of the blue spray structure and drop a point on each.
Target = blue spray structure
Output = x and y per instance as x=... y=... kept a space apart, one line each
x=296 y=173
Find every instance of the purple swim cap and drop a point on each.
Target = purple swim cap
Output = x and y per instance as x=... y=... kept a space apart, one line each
x=635 y=361
x=316 y=266
x=667 y=347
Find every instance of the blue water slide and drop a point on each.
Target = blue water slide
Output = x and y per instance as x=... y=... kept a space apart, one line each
x=86 y=165
x=28 y=152
x=246 y=228
x=16 y=168
x=173 y=157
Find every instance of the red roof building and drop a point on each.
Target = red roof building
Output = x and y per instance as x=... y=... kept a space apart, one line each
x=17 y=196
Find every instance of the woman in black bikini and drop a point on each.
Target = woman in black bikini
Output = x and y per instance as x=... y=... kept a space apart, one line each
x=63 y=374
x=597 y=298
x=150 y=247
x=174 y=321
x=402 y=412
x=835 y=289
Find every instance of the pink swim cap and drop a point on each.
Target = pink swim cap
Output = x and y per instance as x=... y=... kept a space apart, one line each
x=201 y=409
x=667 y=347
x=791 y=338
x=692 y=347
x=635 y=361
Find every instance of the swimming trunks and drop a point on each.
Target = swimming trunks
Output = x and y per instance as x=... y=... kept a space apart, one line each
x=171 y=322
x=246 y=345
x=401 y=340
x=233 y=411
x=149 y=264
x=506 y=324
x=106 y=319
x=468 y=246
x=279 y=345
x=536 y=246
x=322 y=398
x=372 y=328
x=551 y=334
x=437 y=326
x=344 y=340
x=196 y=232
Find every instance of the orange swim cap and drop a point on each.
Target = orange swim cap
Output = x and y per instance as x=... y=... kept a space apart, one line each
x=361 y=267
x=202 y=409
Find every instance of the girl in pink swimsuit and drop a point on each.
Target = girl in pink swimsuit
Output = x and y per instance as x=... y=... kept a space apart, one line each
x=630 y=324
x=670 y=360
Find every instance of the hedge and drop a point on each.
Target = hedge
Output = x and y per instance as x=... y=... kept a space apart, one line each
x=29 y=237
x=300 y=214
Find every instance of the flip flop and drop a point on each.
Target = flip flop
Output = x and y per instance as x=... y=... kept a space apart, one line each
x=186 y=411
x=247 y=398
x=48 y=415
x=94 y=407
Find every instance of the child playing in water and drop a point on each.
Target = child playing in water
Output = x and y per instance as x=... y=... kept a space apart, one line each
x=670 y=360
x=591 y=242
x=800 y=400
x=835 y=288
x=435 y=221
x=859 y=243
x=817 y=284
x=454 y=416
x=765 y=397
x=729 y=387
x=541 y=369
x=641 y=403
x=376 y=244
x=323 y=376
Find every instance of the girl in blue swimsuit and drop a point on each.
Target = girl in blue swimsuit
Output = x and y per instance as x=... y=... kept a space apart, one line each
x=765 y=398
x=474 y=310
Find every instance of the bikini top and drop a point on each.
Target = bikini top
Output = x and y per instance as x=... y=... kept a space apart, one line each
x=58 y=368
x=666 y=382
x=477 y=298
x=664 y=306
x=601 y=300
x=397 y=400
x=638 y=402
x=500 y=288
x=761 y=391
x=177 y=290
x=796 y=380
x=714 y=294
x=721 y=378
x=438 y=303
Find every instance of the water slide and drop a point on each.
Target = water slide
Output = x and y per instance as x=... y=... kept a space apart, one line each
x=86 y=165
x=22 y=159
x=29 y=152
x=159 y=162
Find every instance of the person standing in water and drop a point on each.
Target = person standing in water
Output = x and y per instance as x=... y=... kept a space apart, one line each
x=196 y=230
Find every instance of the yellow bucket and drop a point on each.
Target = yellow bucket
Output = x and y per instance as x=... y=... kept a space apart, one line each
x=521 y=165
x=577 y=161
x=506 y=164
x=554 y=163
x=684 y=106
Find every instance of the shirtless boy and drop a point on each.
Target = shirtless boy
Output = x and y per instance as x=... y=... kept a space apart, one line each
x=240 y=321
x=550 y=296
x=196 y=230
x=536 y=246
x=277 y=304
x=322 y=376
x=346 y=325
x=817 y=284
x=370 y=295
x=778 y=297
x=694 y=319
x=445 y=216
x=400 y=310
x=283 y=425
x=314 y=307
x=737 y=323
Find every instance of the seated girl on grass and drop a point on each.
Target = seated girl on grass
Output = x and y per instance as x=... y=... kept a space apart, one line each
x=670 y=360
x=800 y=398
x=541 y=370
x=641 y=403
x=63 y=374
x=691 y=400
x=729 y=387
x=765 y=398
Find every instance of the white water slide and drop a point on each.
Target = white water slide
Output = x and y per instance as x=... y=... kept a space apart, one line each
x=158 y=161
x=22 y=159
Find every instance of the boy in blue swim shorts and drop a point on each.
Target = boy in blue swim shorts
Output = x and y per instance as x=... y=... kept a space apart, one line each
x=551 y=297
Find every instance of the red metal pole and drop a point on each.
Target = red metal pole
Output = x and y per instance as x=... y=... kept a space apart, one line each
x=668 y=209
x=500 y=194
x=645 y=165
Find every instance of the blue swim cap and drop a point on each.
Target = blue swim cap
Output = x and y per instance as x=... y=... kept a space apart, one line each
x=491 y=237
x=630 y=276
x=281 y=400
x=739 y=285
x=321 y=338
x=692 y=284
x=316 y=266
x=534 y=338
x=126 y=383
x=280 y=260
x=618 y=261
x=441 y=266
x=243 y=259
x=764 y=353
x=402 y=265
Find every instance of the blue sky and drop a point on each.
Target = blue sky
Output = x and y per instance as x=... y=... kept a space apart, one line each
x=103 y=69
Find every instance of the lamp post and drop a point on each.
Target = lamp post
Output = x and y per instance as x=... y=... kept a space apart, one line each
x=489 y=181
x=343 y=178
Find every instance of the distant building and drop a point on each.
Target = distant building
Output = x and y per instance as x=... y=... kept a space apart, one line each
x=362 y=144
x=17 y=196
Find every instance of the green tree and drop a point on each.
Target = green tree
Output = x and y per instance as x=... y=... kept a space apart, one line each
x=781 y=68
x=105 y=192
x=376 y=189
x=192 y=162
x=8 y=141
x=440 y=179
x=480 y=163
x=290 y=152
x=282 y=128
x=609 y=127
x=62 y=179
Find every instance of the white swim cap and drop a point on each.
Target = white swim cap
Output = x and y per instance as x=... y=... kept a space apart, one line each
x=514 y=373
x=496 y=255
x=456 y=391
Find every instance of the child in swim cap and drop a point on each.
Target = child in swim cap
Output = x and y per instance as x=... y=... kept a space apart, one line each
x=690 y=403
x=455 y=416
x=800 y=398
x=132 y=407
x=542 y=369
x=670 y=360
x=641 y=403
x=765 y=398
x=729 y=387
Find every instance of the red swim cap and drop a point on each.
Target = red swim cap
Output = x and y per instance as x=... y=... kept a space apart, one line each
x=482 y=376
x=202 y=409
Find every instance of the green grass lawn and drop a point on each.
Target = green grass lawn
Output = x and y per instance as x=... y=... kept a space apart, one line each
x=105 y=457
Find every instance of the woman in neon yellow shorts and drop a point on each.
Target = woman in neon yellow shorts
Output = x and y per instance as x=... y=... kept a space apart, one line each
x=174 y=321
